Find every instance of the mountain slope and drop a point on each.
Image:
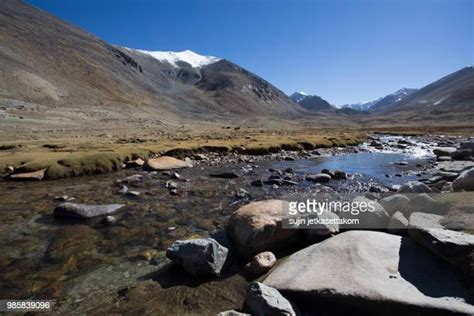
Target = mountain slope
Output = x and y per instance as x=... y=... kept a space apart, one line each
x=54 y=75
x=392 y=99
x=449 y=99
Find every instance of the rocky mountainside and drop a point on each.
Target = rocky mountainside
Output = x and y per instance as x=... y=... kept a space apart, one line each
x=392 y=99
x=312 y=102
x=452 y=93
x=54 y=75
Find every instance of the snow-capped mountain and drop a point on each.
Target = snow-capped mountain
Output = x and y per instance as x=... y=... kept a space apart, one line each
x=311 y=102
x=187 y=56
x=361 y=106
x=382 y=102
x=298 y=96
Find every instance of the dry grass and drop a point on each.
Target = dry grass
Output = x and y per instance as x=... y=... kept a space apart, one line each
x=82 y=156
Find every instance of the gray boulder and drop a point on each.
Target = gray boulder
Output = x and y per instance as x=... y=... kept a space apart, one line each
x=324 y=229
x=369 y=272
x=453 y=246
x=425 y=204
x=395 y=203
x=76 y=210
x=465 y=181
x=263 y=300
x=371 y=214
x=398 y=224
x=199 y=257
x=414 y=187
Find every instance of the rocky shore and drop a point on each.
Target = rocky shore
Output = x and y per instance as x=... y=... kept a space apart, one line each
x=202 y=232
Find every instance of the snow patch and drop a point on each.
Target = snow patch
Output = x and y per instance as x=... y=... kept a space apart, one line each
x=188 y=56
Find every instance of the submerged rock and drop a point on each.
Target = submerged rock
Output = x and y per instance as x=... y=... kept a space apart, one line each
x=71 y=240
x=367 y=273
x=224 y=175
x=257 y=227
x=263 y=300
x=166 y=163
x=84 y=210
x=199 y=257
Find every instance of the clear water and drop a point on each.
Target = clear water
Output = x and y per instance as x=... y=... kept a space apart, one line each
x=371 y=165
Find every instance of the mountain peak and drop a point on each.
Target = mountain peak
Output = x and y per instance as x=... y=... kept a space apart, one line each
x=187 y=56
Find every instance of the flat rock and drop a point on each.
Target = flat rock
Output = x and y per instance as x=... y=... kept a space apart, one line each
x=199 y=257
x=465 y=181
x=263 y=300
x=457 y=166
x=166 y=163
x=369 y=273
x=453 y=246
x=28 y=176
x=257 y=227
x=444 y=151
x=84 y=210
x=425 y=204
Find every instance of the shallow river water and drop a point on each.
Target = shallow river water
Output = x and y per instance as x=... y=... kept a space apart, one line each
x=43 y=257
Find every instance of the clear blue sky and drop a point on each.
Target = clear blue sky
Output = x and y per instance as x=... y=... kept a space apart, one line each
x=343 y=50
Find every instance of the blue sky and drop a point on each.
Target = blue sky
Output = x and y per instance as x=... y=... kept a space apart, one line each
x=343 y=50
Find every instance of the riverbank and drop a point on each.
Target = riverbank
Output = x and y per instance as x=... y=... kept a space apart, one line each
x=62 y=158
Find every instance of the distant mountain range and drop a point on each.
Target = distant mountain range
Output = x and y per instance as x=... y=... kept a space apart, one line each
x=54 y=75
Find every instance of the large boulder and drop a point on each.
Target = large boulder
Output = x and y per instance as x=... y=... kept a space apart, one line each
x=398 y=224
x=425 y=204
x=370 y=273
x=465 y=181
x=199 y=257
x=257 y=227
x=414 y=187
x=76 y=210
x=166 y=163
x=370 y=213
x=327 y=226
x=263 y=300
x=453 y=246
x=395 y=203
